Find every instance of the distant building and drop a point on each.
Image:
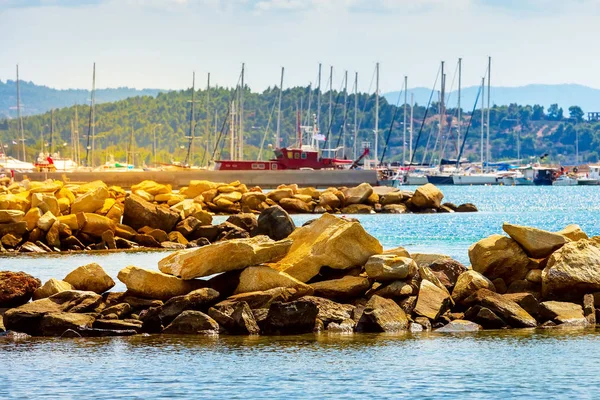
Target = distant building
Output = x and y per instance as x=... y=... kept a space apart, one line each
x=594 y=116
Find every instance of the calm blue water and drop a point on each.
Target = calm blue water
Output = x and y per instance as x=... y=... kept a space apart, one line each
x=533 y=364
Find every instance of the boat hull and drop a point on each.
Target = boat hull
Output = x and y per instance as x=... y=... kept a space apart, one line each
x=475 y=179
x=440 y=179
x=523 y=181
x=416 y=180
x=588 y=182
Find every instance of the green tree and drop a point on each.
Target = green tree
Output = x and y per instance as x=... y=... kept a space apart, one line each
x=576 y=113
x=538 y=113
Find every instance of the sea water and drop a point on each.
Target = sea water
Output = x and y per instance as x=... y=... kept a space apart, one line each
x=492 y=364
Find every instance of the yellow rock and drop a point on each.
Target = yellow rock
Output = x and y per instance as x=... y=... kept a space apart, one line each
x=328 y=241
x=223 y=202
x=63 y=205
x=69 y=220
x=329 y=199
x=96 y=224
x=278 y=194
x=209 y=195
x=537 y=243
x=10 y=216
x=115 y=213
x=256 y=279
x=46 y=221
x=253 y=200
x=144 y=195
x=151 y=187
x=156 y=285
x=32 y=217
x=65 y=193
x=91 y=201
x=108 y=204
x=14 y=202
x=234 y=183
x=573 y=232
x=498 y=256
x=427 y=196
x=87 y=187
x=309 y=191
x=224 y=256
x=91 y=277
x=45 y=202
x=197 y=187
x=303 y=197
x=389 y=267
x=45 y=187
x=51 y=287
x=226 y=189
x=242 y=188
x=233 y=197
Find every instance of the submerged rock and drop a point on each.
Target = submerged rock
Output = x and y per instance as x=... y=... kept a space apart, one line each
x=192 y=322
x=459 y=326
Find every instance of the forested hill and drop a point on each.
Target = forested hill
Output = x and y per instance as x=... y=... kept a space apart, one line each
x=36 y=99
x=536 y=129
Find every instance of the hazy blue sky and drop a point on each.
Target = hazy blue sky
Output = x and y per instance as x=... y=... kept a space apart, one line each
x=158 y=43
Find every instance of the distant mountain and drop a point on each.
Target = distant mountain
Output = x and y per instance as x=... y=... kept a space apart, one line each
x=564 y=95
x=37 y=99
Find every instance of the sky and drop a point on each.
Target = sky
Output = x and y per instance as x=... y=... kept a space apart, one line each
x=158 y=43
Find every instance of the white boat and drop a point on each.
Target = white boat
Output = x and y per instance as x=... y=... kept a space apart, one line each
x=476 y=179
x=564 y=180
x=416 y=179
x=524 y=176
x=582 y=180
x=11 y=163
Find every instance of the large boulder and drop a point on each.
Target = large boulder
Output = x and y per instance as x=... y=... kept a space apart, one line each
x=256 y=279
x=358 y=194
x=54 y=324
x=330 y=311
x=432 y=301
x=499 y=256
x=447 y=271
x=427 y=196
x=389 y=267
x=192 y=322
x=507 y=309
x=572 y=271
x=382 y=315
x=230 y=255
x=294 y=317
x=562 y=312
x=90 y=201
x=52 y=286
x=348 y=287
x=468 y=283
x=275 y=222
x=139 y=213
x=152 y=187
x=537 y=243
x=11 y=216
x=264 y=299
x=459 y=326
x=328 y=241
x=573 y=232
x=156 y=285
x=27 y=317
x=16 y=288
x=91 y=277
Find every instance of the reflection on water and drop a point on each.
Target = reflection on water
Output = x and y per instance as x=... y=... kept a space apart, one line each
x=491 y=364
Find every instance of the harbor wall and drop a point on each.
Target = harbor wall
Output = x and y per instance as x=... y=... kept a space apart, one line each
x=178 y=179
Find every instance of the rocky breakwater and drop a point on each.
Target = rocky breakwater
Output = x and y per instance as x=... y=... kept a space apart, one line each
x=329 y=276
x=54 y=216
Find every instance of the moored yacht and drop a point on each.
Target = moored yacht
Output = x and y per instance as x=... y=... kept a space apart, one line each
x=565 y=180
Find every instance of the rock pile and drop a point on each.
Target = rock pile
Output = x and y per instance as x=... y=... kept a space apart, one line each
x=329 y=275
x=52 y=216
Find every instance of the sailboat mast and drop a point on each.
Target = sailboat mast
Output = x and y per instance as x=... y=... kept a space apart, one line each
x=93 y=112
x=77 y=158
x=319 y=101
x=410 y=141
x=489 y=152
x=232 y=133
x=241 y=118
x=90 y=121
x=355 y=114
x=278 y=135
x=330 y=97
x=459 y=110
x=404 y=123
x=207 y=134
x=72 y=141
x=192 y=120
x=442 y=110
x=20 y=116
x=376 y=111
x=345 y=113
x=482 y=118
x=51 y=132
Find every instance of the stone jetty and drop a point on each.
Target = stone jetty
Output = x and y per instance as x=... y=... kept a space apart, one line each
x=40 y=217
x=329 y=276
